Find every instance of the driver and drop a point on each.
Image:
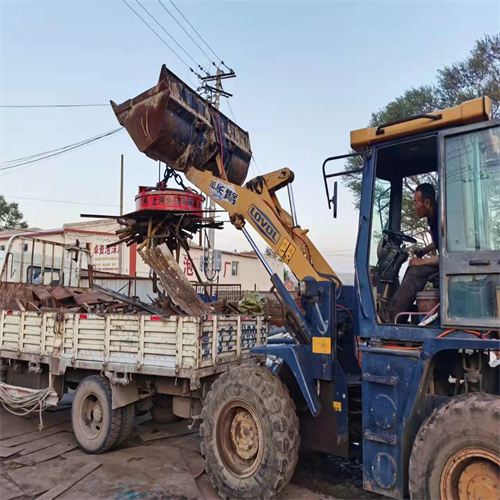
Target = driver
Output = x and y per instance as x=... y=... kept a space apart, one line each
x=420 y=270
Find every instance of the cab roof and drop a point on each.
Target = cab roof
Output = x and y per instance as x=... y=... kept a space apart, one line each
x=473 y=111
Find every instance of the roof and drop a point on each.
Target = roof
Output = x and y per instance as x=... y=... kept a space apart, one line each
x=473 y=111
x=5 y=235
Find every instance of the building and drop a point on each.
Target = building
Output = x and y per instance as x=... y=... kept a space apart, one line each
x=243 y=269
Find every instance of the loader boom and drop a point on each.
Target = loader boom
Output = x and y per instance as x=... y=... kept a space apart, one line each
x=257 y=203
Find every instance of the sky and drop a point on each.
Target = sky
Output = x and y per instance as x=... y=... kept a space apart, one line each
x=307 y=74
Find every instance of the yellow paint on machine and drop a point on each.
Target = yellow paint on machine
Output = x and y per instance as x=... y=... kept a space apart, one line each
x=322 y=345
x=286 y=250
x=337 y=406
x=473 y=111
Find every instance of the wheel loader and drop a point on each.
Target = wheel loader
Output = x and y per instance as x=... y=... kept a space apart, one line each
x=418 y=398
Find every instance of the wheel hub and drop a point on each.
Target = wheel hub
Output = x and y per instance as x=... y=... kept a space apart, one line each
x=240 y=438
x=479 y=480
x=244 y=435
x=97 y=413
x=471 y=474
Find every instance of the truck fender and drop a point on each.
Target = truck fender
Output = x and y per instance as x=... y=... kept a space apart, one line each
x=124 y=390
x=295 y=356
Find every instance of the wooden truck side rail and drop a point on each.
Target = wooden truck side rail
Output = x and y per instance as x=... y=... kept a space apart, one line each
x=175 y=346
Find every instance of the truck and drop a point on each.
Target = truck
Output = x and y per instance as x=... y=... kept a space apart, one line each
x=419 y=399
x=116 y=363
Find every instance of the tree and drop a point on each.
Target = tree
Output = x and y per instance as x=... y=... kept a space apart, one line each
x=10 y=216
x=475 y=76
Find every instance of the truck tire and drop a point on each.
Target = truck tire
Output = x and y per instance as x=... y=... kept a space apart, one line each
x=457 y=445
x=128 y=416
x=162 y=410
x=95 y=424
x=250 y=434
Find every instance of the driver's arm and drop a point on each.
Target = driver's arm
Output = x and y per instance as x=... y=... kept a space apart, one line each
x=429 y=248
x=431 y=261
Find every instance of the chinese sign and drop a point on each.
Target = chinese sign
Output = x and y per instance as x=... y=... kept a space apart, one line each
x=104 y=258
x=188 y=266
x=223 y=192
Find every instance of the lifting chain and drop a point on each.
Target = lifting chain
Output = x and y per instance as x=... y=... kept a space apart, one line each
x=170 y=173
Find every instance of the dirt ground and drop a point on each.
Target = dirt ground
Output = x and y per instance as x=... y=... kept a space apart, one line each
x=158 y=461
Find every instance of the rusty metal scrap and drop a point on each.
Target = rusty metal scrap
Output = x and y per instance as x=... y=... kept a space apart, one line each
x=178 y=288
x=42 y=298
x=170 y=228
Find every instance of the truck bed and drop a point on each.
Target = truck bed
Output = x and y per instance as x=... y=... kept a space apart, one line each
x=178 y=346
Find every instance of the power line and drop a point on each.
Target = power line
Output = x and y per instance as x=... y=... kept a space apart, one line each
x=62 y=149
x=149 y=26
x=19 y=162
x=61 y=201
x=185 y=31
x=53 y=105
x=169 y=35
x=201 y=38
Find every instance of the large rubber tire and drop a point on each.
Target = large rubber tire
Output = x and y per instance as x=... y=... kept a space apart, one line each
x=95 y=424
x=128 y=416
x=465 y=426
x=250 y=434
x=162 y=410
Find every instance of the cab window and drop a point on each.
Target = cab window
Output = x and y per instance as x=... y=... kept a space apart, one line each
x=471 y=263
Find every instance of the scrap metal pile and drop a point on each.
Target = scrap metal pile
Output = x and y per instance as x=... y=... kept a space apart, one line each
x=42 y=298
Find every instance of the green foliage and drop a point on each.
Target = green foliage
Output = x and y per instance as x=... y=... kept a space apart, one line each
x=475 y=76
x=10 y=216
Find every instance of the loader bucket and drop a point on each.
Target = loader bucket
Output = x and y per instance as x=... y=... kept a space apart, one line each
x=172 y=123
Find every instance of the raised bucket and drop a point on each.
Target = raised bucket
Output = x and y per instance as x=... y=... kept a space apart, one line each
x=172 y=123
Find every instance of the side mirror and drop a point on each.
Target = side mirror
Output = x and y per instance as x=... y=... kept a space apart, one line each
x=334 y=200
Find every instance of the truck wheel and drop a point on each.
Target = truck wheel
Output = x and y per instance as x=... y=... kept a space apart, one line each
x=250 y=434
x=128 y=416
x=456 y=454
x=162 y=410
x=95 y=424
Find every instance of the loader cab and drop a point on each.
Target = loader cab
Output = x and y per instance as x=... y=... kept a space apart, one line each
x=462 y=161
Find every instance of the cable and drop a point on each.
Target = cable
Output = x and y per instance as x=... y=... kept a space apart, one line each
x=60 y=201
x=185 y=31
x=201 y=38
x=149 y=26
x=25 y=404
x=54 y=105
x=347 y=311
x=55 y=152
x=255 y=163
x=169 y=35
x=477 y=334
x=17 y=160
x=229 y=106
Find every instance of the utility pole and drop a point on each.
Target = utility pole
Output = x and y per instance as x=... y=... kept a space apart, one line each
x=214 y=94
x=121 y=186
x=120 y=249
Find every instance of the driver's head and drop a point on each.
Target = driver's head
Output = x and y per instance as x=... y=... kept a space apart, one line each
x=424 y=200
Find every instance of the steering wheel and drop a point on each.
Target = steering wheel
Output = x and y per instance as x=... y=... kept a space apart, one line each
x=399 y=236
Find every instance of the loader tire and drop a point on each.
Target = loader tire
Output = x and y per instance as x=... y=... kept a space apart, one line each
x=162 y=410
x=95 y=424
x=250 y=434
x=456 y=453
x=128 y=416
